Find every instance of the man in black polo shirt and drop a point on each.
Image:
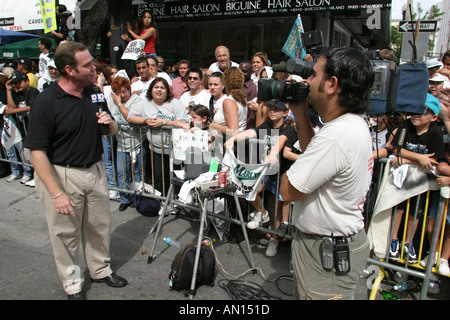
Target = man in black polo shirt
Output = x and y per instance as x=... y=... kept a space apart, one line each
x=66 y=148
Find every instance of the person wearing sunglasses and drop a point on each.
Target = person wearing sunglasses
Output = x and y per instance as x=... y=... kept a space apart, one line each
x=195 y=93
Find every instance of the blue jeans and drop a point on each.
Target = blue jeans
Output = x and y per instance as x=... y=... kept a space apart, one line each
x=124 y=176
x=13 y=154
x=108 y=149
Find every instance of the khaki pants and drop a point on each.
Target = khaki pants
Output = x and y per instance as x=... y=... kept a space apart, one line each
x=88 y=190
x=311 y=281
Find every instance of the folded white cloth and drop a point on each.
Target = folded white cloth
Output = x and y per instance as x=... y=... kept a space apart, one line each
x=185 y=192
x=399 y=175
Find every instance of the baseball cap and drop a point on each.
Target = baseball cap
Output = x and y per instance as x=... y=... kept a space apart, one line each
x=433 y=104
x=277 y=103
x=11 y=64
x=18 y=76
x=26 y=62
x=438 y=77
x=432 y=63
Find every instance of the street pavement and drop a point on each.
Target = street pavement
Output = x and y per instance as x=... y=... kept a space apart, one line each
x=28 y=272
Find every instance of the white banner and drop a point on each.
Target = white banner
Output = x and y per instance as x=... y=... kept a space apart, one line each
x=22 y=15
x=182 y=140
x=246 y=177
x=134 y=50
x=10 y=133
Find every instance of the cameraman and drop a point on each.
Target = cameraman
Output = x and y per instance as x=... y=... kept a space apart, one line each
x=330 y=179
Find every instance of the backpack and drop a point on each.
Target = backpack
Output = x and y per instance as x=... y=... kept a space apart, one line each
x=146 y=206
x=182 y=268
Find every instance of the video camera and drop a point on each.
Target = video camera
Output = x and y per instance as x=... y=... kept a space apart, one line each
x=397 y=88
x=290 y=90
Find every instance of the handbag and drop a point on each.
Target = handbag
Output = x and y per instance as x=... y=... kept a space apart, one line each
x=146 y=206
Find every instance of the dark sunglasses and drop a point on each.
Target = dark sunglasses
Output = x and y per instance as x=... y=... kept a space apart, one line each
x=192 y=78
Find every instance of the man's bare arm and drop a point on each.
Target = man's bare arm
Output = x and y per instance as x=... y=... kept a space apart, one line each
x=43 y=169
x=288 y=191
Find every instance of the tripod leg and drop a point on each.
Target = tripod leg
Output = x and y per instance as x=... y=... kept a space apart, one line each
x=159 y=223
x=244 y=230
x=199 y=247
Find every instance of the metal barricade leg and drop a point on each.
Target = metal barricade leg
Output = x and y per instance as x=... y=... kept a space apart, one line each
x=376 y=284
x=159 y=222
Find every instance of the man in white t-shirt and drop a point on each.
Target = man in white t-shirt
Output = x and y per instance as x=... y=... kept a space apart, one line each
x=196 y=94
x=330 y=179
x=140 y=87
x=44 y=44
x=153 y=65
x=223 y=60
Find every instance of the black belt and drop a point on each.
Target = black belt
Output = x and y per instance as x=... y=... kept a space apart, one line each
x=348 y=238
x=71 y=165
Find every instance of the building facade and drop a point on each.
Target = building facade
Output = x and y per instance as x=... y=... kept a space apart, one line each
x=192 y=30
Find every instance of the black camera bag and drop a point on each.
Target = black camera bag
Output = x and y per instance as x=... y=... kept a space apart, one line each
x=182 y=268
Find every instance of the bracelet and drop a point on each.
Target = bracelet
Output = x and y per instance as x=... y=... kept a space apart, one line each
x=60 y=193
x=389 y=151
x=145 y=121
x=164 y=123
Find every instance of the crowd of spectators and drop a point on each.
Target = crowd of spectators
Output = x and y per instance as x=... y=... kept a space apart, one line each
x=223 y=99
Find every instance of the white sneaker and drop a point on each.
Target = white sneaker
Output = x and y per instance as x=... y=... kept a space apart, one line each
x=25 y=179
x=424 y=261
x=272 y=248
x=114 y=195
x=31 y=183
x=256 y=222
x=443 y=268
x=12 y=178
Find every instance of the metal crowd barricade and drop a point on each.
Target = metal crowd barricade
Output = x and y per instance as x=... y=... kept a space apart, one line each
x=403 y=264
x=145 y=153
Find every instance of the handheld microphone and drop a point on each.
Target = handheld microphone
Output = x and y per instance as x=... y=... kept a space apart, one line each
x=99 y=98
x=401 y=142
x=401 y=138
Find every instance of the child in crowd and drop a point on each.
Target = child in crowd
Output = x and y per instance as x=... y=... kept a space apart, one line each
x=200 y=118
x=276 y=130
x=423 y=145
x=382 y=135
x=443 y=179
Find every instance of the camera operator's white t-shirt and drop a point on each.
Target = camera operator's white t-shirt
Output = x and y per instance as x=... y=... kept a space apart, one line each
x=335 y=172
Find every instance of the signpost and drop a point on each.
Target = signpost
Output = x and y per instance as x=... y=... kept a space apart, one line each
x=420 y=38
x=424 y=26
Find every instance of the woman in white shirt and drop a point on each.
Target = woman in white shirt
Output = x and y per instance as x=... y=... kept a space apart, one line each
x=231 y=118
x=128 y=154
x=217 y=91
x=259 y=61
x=159 y=109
